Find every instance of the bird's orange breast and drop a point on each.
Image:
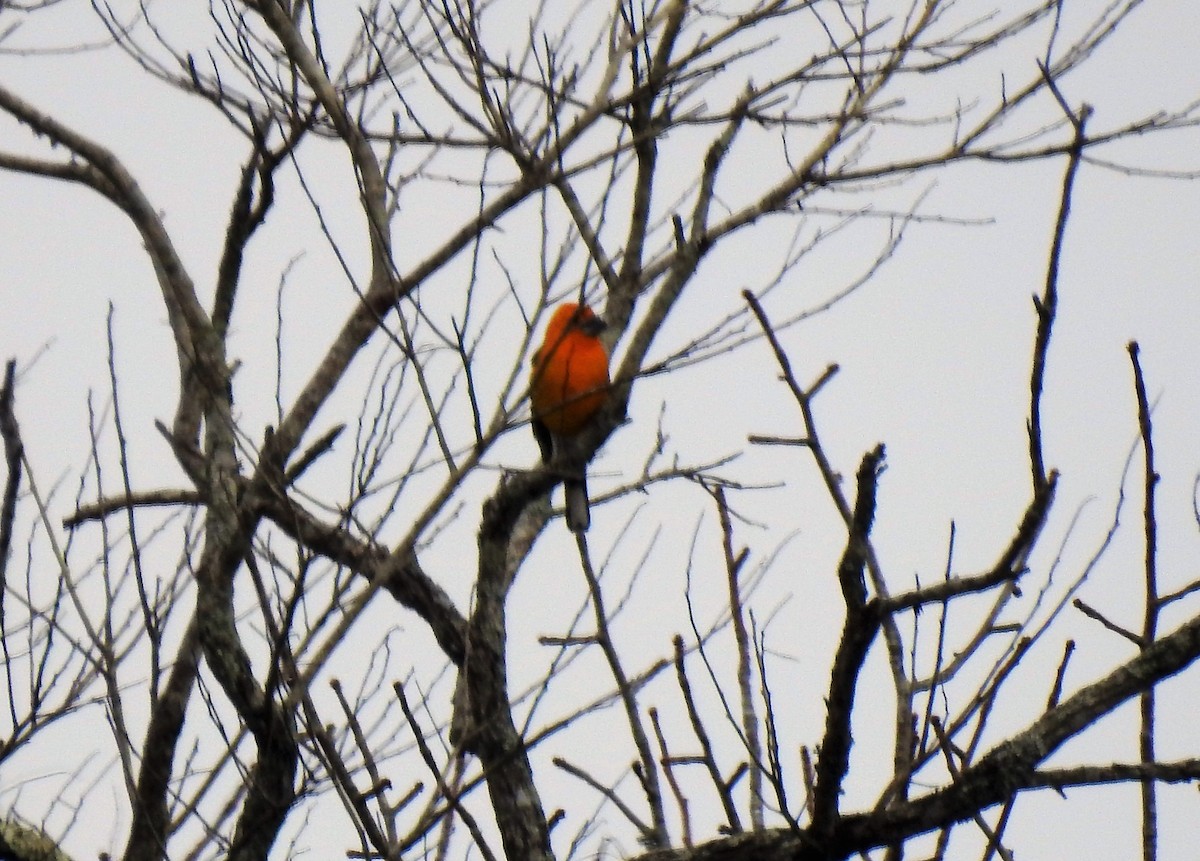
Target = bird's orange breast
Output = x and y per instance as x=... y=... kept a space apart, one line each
x=570 y=384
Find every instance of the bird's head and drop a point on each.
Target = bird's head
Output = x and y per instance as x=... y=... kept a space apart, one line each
x=573 y=316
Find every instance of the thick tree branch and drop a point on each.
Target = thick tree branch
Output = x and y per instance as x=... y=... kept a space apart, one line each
x=10 y=433
x=1010 y=767
x=858 y=631
x=150 y=830
x=490 y=732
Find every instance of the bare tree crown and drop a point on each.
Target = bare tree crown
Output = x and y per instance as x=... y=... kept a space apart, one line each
x=347 y=619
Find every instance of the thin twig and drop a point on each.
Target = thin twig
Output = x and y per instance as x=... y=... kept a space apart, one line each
x=733 y=565
x=733 y=823
x=668 y=762
x=657 y=836
x=955 y=774
x=608 y=792
x=1060 y=676
x=431 y=763
x=1092 y=613
x=1151 y=612
x=1047 y=305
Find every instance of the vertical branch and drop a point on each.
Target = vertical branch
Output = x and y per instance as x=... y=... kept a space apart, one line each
x=744 y=667
x=774 y=760
x=10 y=432
x=723 y=786
x=490 y=732
x=384 y=839
x=1046 y=305
x=862 y=623
x=648 y=774
x=149 y=619
x=14 y=450
x=151 y=816
x=904 y=740
x=643 y=127
x=249 y=211
x=107 y=650
x=1150 y=620
x=355 y=800
x=935 y=677
x=668 y=764
x=270 y=781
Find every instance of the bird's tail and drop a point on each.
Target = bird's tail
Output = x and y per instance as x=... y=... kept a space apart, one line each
x=579 y=516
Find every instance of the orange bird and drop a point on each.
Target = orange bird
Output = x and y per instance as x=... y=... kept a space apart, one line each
x=568 y=386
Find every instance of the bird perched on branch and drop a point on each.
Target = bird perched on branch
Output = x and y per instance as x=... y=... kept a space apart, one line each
x=568 y=387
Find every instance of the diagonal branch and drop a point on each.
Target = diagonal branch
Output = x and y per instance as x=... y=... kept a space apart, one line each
x=150 y=828
x=1011 y=766
x=99 y=169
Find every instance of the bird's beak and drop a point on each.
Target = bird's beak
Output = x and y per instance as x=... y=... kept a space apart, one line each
x=593 y=326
